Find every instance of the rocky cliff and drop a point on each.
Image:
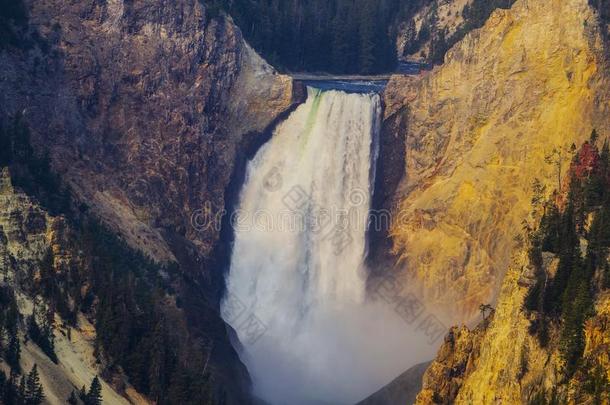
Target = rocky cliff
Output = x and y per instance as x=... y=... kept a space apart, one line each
x=487 y=136
x=27 y=233
x=435 y=26
x=150 y=103
x=415 y=38
x=148 y=111
x=477 y=132
x=503 y=361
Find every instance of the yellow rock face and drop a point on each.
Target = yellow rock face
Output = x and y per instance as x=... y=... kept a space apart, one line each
x=510 y=359
x=479 y=128
x=502 y=363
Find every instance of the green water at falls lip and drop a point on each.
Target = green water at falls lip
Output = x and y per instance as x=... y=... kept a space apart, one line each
x=317 y=96
x=297 y=303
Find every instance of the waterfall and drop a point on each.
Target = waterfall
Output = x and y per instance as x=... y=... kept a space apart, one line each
x=296 y=286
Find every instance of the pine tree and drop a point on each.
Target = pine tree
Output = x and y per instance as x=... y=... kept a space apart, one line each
x=33 y=392
x=340 y=48
x=82 y=394
x=13 y=352
x=568 y=256
x=11 y=393
x=550 y=229
x=72 y=399
x=42 y=335
x=367 y=38
x=21 y=391
x=576 y=311
x=94 y=396
x=605 y=156
x=5 y=146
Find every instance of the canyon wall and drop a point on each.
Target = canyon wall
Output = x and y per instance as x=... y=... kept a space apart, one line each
x=502 y=360
x=144 y=106
x=415 y=37
x=476 y=133
x=148 y=111
x=27 y=233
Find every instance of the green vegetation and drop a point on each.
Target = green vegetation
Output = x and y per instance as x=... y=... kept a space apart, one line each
x=40 y=330
x=576 y=229
x=341 y=36
x=9 y=321
x=93 y=396
x=126 y=295
x=338 y=36
x=33 y=389
x=72 y=399
x=30 y=171
x=475 y=15
x=28 y=391
x=13 y=19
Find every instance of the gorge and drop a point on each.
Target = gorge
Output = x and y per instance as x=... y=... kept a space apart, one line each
x=126 y=125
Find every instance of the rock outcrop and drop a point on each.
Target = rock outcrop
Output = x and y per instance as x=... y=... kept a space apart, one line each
x=476 y=132
x=454 y=362
x=482 y=134
x=416 y=36
x=145 y=107
x=503 y=362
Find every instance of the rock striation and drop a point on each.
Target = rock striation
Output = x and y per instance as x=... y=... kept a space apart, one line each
x=501 y=361
x=150 y=104
x=475 y=133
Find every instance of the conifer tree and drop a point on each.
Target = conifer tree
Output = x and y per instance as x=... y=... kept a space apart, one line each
x=13 y=352
x=72 y=399
x=575 y=313
x=5 y=146
x=42 y=335
x=94 y=396
x=367 y=38
x=11 y=393
x=21 y=393
x=33 y=391
x=568 y=255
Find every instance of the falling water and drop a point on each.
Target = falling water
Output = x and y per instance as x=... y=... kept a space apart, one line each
x=296 y=287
